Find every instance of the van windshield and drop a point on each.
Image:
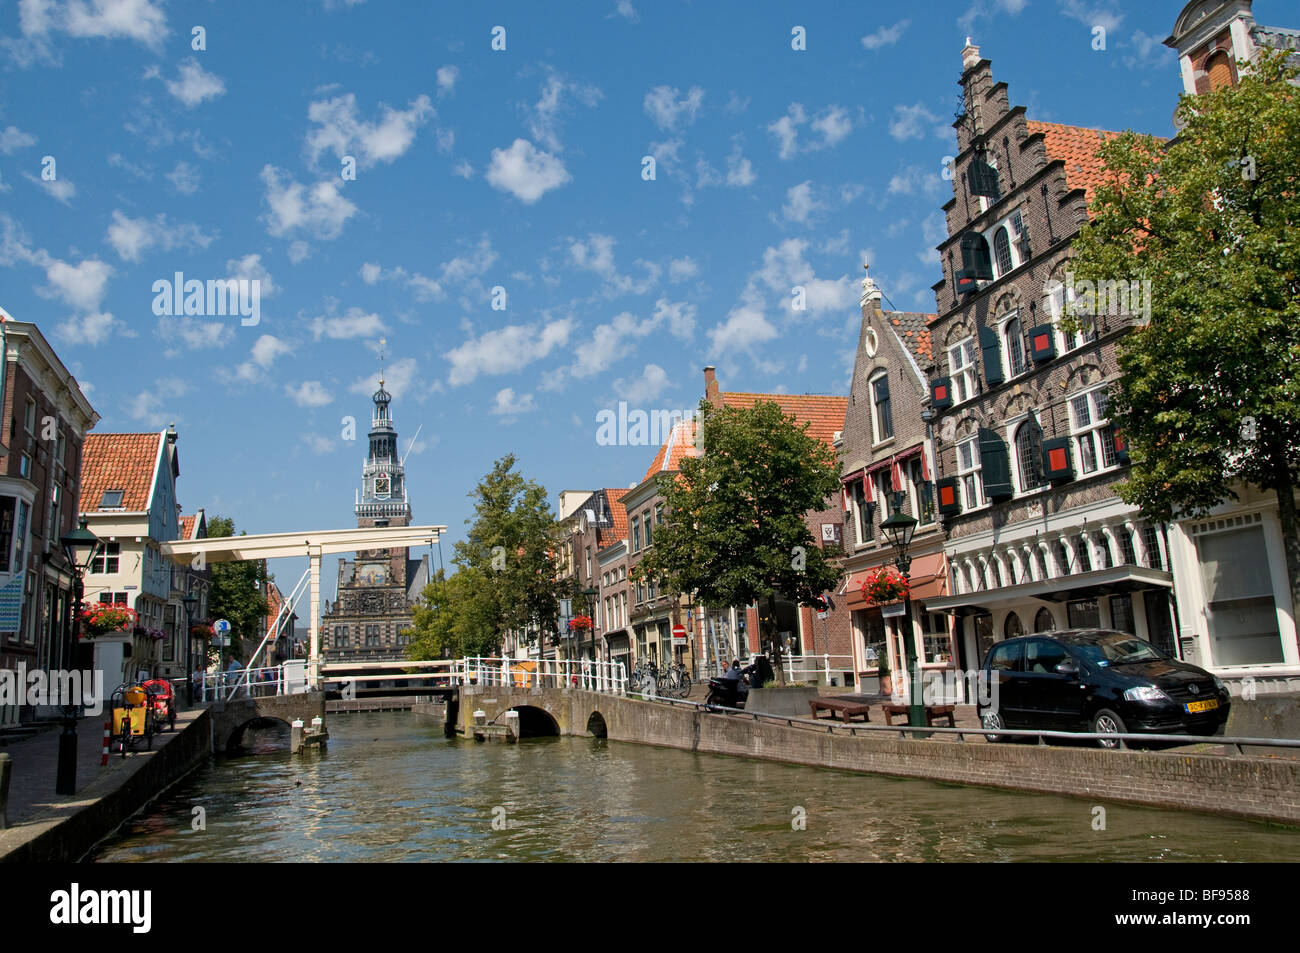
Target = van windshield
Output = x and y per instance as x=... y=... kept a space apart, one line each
x=1114 y=648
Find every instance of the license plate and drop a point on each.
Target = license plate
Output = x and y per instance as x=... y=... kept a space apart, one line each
x=1208 y=705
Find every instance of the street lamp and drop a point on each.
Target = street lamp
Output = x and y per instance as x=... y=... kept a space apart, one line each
x=900 y=528
x=79 y=547
x=190 y=602
x=592 y=594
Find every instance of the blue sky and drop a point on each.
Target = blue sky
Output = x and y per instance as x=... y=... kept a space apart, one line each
x=476 y=169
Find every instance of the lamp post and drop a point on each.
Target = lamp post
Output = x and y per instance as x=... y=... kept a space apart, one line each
x=190 y=602
x=79 y=546
x=900 y=528
x=592 y=594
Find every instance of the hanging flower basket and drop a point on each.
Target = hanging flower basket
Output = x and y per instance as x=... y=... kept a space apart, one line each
x=884 y=585
x=104 y=618
x=202 y=630
x=580 y=623
x=157 y=634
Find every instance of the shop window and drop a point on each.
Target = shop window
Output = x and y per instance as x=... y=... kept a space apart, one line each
x=1044 y=621
x=1012 y=627
x=1121 y=614
x=1083 y=614
x=1240 y=611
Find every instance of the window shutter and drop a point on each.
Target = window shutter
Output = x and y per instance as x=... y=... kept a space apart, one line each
x=983 y=179
x=992 y=356
x=996 y=465
x=975 y=259
x=1121 y=444
x=1057 y=465
x=1042 y=343
x=966 y=284
x=941 y=393
x=949 y=498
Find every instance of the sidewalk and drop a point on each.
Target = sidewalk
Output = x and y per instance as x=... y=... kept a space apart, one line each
x=35 y=766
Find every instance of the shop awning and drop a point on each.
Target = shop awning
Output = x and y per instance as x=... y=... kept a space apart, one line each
x=929 y=575
x=1099 y=582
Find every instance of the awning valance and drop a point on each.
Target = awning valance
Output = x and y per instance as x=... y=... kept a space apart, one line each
x=929 y=577
x=1083 y=585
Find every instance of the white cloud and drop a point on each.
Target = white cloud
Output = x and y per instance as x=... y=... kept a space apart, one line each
x=340 y=130
x=194 y=84
x=299 y=251
x=322 y=210
x=309 y=394
x=263 y=354
x=628 y=12
x=193 y=333
x=509 y=404
x=506 y=349
x=148 y=406
x=885 y=36
x=913 y=179
x=93 y=329
x=399 y=377
x=250 y=267
x=132 y=237
x=319 y=444
x=800 y=203
x=744 y=330
x=832 y=125
x=544 y=121
x=141 y=20
x=370 y=273
x=184 y=178
x=680 y=316
x=1103 y=14
x=464 y=169
x=915 y=122
x=664 y=107
x=60 y=189
x=525 y=171
x=641 y=390
x=82 y=286
x=12 y=139
x=679 y=269
x=355 y=323
x=596 y=254
x=740 y=171
x=447 y=76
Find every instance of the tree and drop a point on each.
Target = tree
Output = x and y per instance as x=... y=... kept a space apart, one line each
x=734 y=530
x=238 y=591
x=1209 y=398
x=506 y=571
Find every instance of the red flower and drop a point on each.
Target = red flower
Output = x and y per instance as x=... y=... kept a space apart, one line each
x=580 y=622
x=884 y=585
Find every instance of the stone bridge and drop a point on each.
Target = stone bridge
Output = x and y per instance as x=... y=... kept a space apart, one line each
x=231 y=718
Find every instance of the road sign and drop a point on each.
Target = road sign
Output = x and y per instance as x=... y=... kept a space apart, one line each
x=894 y=611
x=221 y=627
x=679 y=633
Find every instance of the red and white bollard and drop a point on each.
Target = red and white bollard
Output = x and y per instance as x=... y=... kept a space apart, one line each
x=108 y=741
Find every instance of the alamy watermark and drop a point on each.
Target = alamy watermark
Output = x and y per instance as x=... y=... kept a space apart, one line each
x=645 y=428
x=56 y=687
x=1087 y=298
x=944 y=686
x=179 y=296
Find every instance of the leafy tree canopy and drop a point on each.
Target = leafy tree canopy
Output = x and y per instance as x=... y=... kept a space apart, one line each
x=238 y=591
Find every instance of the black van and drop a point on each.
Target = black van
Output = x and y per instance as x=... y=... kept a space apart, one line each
x=1100 y=681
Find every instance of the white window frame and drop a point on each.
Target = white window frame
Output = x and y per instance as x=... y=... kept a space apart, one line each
x=1025 y=362
x=1082 y=434
x=1015 y=242
x=1059 y=298
x=884 y=488
x=876 y=429
x=971 y=476
x=962 y=377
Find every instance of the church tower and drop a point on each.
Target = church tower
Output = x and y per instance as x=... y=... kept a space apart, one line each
x=376 y=591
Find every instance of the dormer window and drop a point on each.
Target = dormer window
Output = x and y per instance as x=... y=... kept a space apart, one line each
x=112 y=499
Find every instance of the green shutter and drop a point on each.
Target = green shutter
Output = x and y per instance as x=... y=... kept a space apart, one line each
x=992 y=351
x=1042 y=343
x=949 y=497
x=940 y=393
x=995 y=463
x=976 y=261
x=1057 y=464
x=983 y=179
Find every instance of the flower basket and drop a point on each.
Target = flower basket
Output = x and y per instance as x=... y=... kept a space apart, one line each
x=579 y=623
x=884 y=585
x=104 y=618
x=202 y=630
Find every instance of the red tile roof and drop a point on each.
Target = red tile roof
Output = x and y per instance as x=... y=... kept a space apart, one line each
x=912 y=329
x=824 y=412
x=680 y=444
x=1077 y=146
x=619 y=514
x=187 y=526
x=119 y=461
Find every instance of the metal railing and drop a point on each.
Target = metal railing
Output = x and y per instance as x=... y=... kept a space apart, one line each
x=609 y=677
x=815 y=665
x=244 y=683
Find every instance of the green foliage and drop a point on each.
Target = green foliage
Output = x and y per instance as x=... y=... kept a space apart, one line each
x=734 y=530
x=506 y=572
x=237 y=592
x=1209 y=395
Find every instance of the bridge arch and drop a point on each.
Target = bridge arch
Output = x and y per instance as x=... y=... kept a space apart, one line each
x=596 y=726
x=535 y=722
x=280 y=728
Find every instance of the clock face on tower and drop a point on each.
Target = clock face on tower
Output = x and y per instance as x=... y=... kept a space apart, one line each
x=372 y=575
x=381 y=485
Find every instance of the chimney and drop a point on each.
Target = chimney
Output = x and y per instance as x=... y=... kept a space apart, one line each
x=711 y=387
x=171 y=433
x=970 y=54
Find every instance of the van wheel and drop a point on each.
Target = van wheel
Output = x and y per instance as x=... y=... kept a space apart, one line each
x=1106 y=722
x=991 y=721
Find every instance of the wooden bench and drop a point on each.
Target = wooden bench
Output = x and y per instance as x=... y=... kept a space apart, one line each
x=932 y=712
x=845 y=709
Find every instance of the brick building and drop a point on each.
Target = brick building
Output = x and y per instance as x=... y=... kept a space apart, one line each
x=1026 y=458
x=46 y=417
x=885 y=447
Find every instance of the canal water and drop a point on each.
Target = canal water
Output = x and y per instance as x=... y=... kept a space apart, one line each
x=390 y=787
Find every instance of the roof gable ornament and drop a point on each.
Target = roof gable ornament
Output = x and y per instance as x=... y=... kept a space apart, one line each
x=869 y=290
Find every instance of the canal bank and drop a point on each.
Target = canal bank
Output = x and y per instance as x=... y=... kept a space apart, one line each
x=1247 y=786
x=46 y=829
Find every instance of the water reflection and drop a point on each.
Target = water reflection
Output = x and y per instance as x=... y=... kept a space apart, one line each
x=390 y=787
